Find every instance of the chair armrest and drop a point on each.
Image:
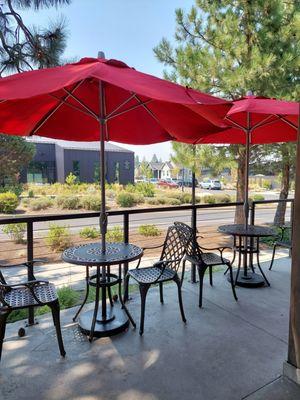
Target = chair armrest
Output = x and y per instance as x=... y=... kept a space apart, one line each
x=24 y=264
x=29 y=285
x=153 y=247
x=219 y=249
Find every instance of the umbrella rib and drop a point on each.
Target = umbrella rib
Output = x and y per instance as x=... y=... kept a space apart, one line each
x=263 y=122
x=145 y=107
x=51 y=112
x=287 y=122
x=110 y=116
x=88 y=109
x=237 y=125
x=73 y=106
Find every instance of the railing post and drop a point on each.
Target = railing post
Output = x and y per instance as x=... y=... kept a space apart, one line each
x=126 y=240
x=30 y=275
x=194 y=227
x=252 y=216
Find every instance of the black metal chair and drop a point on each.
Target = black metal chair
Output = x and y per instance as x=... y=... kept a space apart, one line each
x=33 y=293
x=164 y=270
x=204 y=260
x=282 y=241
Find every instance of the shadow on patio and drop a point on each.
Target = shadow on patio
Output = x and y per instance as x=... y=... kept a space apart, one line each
x=227 y=350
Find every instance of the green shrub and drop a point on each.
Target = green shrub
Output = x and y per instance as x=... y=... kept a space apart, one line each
x=31 y=194
x=266 y=184
x=8 y=202
x=41 y=203
x=17 y=189
x=223 y=198
x=125 y=199
x=145 y=188
x=59 y=237
x=172 y=201
x=149 y=230
x=115 y=234
x=186 y=198
x=71 y=179
x=15 y=232
x=156 y=201
x=92 y=203
x=68 y=202
x=89 y=233
x=209 y=199
x=68 y=297
x=258 y=197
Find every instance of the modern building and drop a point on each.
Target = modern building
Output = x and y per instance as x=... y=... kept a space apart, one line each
x=55 y=159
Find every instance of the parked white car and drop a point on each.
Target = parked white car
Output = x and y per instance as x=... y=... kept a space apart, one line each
x=211 y=184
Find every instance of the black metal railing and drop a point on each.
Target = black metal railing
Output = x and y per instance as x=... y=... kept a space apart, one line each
x=127 y=215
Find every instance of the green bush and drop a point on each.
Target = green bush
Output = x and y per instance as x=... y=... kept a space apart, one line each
x=156 y=201
x=92 y=203
x=41 y=203
x=15 y=232
x=89 y=233
x=125 y=199
x=223 y=198
x=8 y=202
x=145 y=188
x=59 y=237
x=68 y=297
x=258 y=197
x=68 y=202
x=71 y=179
x=148 y=230
x=266 y=184
x=172 y=201
x=17 y=189
x=31 y=194
x=115 y=234
x=209 y=199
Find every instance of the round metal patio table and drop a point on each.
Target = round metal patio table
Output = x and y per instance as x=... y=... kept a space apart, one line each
x=108 y=320
x=246 y=243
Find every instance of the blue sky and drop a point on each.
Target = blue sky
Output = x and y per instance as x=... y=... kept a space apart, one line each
x=124 y=29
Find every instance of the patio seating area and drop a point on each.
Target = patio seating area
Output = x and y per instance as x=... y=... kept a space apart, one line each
x=227 y=349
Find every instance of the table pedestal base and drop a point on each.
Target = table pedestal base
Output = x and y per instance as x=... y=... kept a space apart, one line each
x=115 y=322
x=252 y=280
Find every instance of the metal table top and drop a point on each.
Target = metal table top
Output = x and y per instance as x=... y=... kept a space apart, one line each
x=91 y=254
x=249 y=231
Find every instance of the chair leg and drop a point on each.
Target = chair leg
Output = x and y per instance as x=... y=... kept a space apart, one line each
x=182 y=272
x=161 y=293
x=232 y=282
x=210 y=276
x=56 y=320
x=238 y=269
x=126 y=286
x=3 y=318
x=143 y=291
x=201 y=272
x=261 y=271
x=178 y=283
x=273 y=256
x=109 y=291
x=124 y=306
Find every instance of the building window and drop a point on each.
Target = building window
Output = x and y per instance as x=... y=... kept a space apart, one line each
x=41 y=172
x=127 y=164
x=97 y=172
x=117 y=172
x=76 y=168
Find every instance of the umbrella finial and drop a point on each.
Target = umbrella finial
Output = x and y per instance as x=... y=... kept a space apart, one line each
x=101 y=54
x=249 y=93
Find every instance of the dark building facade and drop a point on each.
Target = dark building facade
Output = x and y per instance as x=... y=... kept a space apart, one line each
x=55 y=159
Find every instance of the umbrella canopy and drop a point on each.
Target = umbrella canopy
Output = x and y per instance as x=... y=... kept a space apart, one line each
x=65 y=103
x=105 y=99
x=270 y=121
x=257 y=120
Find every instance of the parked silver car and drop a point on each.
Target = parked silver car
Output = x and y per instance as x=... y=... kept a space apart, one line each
x=211 y=184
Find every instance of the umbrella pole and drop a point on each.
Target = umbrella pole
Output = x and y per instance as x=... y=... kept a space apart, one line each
x=194 y=212
x=103 y=216
x=247 y=161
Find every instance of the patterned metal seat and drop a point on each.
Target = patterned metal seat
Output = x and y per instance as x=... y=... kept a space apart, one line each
x=33 y=293
x=20 y=297
x=152 y=274
x=166 y=269
x=204 y=260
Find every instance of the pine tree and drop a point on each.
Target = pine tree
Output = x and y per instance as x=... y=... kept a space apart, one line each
x=229 y=47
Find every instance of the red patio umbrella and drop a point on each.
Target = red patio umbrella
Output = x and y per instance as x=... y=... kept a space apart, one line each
x=99 y=99
x=257 y=120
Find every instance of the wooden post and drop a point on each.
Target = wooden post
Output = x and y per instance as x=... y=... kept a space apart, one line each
x=292 y=367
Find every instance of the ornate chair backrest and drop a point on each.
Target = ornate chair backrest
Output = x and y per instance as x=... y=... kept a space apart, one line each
x=174 y=248
x=192 y=246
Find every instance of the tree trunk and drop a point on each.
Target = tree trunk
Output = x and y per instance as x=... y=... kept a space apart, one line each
x=240 y=186
x=279 y=218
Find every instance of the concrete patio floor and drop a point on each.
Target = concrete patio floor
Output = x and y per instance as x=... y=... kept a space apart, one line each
x=228 y=350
